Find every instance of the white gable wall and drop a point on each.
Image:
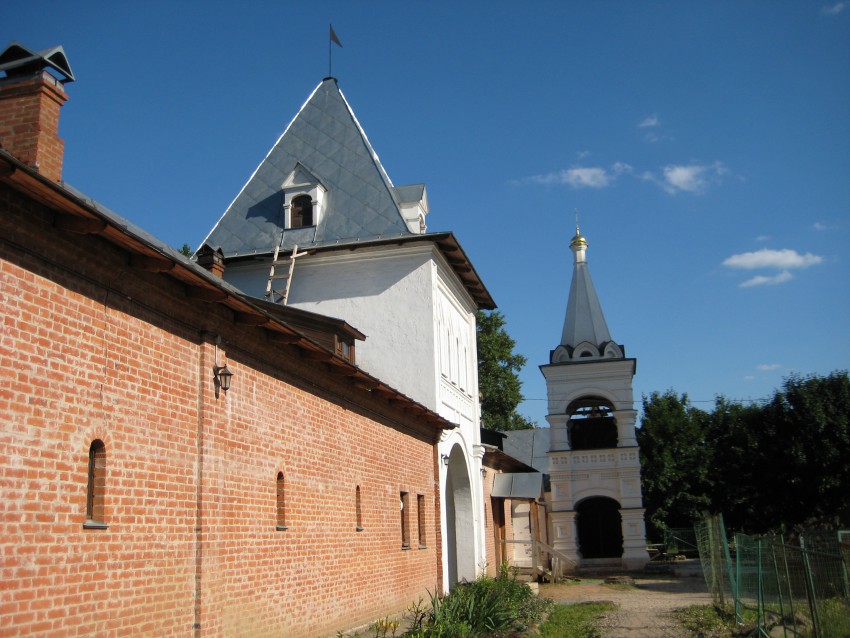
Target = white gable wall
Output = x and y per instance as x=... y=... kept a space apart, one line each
x=383 y=292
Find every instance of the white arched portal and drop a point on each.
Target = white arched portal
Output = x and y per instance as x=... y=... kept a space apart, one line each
x=460 y=520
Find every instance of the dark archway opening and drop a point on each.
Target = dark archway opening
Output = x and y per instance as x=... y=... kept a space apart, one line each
x=599 y=527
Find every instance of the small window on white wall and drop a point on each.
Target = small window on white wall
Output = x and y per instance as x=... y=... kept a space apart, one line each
x=444 y=345
x=464 y=368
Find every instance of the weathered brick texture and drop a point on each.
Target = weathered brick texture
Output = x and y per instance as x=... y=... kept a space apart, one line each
x=92 y=348
x=29 y=122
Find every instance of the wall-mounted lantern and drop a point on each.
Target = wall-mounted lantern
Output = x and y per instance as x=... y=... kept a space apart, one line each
x=222 y=376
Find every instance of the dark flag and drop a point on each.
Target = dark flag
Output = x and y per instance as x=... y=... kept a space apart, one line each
x=335 y=39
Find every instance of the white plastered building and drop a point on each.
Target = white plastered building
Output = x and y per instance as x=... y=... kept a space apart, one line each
x=362 y=254
x=597 y=515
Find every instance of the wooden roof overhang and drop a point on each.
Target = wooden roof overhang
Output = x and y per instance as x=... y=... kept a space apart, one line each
x=74 y=214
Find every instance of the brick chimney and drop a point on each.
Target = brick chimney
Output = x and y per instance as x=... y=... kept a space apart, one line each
x=211 y=258
x=30 y=100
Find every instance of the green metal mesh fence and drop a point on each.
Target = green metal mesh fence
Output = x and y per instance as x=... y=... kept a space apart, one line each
x=678 y=540
x=778 y=588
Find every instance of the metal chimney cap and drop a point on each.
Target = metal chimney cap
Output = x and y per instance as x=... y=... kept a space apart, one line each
x=17 y=60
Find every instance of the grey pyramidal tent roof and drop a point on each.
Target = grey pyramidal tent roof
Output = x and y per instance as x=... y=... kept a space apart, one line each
x=584 y=320
x=326 y=140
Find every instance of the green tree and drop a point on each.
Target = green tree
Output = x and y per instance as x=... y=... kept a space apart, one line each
x=766 y=468
x=186 y=250
x=498 y=366
x=674 y=461
x=808 y=422
x=736 y=438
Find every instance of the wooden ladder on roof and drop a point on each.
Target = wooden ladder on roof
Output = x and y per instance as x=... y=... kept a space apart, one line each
x=280 y=281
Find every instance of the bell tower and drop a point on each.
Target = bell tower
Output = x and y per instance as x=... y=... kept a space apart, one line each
x=594 y=465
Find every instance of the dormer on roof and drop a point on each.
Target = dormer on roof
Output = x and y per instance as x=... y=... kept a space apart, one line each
x=413 y=202
x=303 y=199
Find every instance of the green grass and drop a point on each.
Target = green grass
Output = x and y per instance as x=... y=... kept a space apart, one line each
x=835 y=617
x=706 y=621
x=574 y=621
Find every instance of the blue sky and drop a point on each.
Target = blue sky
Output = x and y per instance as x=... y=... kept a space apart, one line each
x=706 y=146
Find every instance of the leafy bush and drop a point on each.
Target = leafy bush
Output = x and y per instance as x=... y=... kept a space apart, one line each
x=487 y=607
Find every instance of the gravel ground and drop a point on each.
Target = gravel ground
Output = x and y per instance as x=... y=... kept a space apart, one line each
x=644 y=610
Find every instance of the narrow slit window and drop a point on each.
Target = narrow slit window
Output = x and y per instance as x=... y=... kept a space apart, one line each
x=96 y=487
x=358 y=512
x=281 y=502
x=420 y=519
x=405 y=520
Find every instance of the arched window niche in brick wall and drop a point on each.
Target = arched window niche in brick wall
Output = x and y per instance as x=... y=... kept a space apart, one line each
x=358 y=511
x=96 y=486
x=280 y=505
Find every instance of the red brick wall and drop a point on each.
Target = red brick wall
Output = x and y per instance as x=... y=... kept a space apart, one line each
x=29 y=122
x=93 y=349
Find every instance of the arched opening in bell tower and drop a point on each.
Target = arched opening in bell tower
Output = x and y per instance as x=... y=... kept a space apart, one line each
x=592 y=425
x=599 y=528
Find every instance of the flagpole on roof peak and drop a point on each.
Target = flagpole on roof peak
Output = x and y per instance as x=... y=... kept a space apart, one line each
x=332 y=39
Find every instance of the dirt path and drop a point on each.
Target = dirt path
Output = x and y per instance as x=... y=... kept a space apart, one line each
x=643 y=610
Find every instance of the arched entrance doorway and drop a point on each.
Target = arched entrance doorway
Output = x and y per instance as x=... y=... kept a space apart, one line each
x=599 y=527
x=460 y=527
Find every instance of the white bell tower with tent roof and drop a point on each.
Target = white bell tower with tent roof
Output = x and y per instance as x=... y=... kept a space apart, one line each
x=594 y=465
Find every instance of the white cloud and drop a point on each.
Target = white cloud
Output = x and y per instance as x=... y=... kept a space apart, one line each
x=762 y=280
x=691 y=178
x=820 y=226
x=768 y=366
x=750 y=377
x=589 y=177
x=835 y=9
x=762 y=238
x=583 y=176
x=651 y=127
x=783 y=260
x=768 y=258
